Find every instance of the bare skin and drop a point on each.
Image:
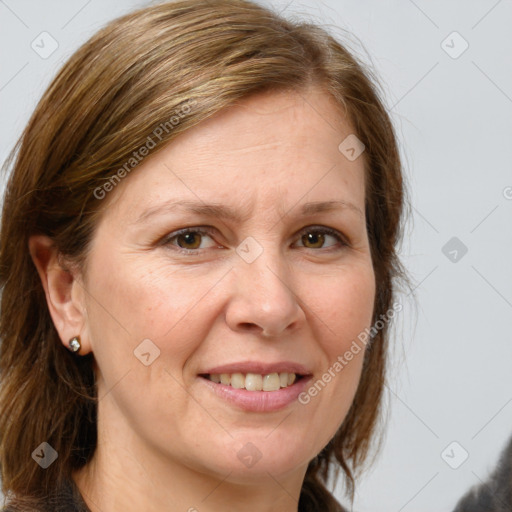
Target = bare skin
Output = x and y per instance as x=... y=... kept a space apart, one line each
x=166 y=441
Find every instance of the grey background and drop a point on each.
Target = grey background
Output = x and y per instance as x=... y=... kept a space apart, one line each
x=450 y=377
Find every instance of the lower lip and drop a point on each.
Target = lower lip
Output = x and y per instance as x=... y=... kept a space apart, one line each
x=258 y=401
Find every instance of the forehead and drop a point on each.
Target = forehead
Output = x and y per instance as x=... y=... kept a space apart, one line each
x=273 y=147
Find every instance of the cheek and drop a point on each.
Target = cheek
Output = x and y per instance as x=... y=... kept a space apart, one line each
x=134 y=299
x=343 y=309
x=343 y=304
x=140 y=299
x=146 y=298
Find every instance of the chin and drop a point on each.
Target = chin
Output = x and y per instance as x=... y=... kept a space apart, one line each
x=256 y=459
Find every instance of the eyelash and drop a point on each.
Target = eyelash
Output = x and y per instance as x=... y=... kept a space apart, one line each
x=166 y=241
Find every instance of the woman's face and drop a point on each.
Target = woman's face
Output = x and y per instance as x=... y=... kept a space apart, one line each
x=265 y=282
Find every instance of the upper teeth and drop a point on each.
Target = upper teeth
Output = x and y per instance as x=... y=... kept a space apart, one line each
x=254 y=381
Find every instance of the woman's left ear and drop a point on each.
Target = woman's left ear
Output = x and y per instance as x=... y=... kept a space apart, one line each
x=65 y=294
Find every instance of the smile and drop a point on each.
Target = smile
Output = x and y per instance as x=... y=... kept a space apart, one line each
x=256 y=392
x=254 y=381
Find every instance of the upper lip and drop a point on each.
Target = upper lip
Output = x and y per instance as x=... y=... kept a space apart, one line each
x=259 y=368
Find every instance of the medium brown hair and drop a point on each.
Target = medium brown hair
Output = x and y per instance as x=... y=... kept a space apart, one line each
x=130 y=77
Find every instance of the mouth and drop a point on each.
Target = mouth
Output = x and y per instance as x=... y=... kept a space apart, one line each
x=254 y=381
x=254 y=392
x=256 y=386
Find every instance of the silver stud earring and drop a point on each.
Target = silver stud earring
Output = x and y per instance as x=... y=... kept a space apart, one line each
x=74 y=344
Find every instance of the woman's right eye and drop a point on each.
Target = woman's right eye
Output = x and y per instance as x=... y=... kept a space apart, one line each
x=188 y=240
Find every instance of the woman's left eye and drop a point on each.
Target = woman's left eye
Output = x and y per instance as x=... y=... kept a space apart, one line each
x=315 y=236
x=190 y=240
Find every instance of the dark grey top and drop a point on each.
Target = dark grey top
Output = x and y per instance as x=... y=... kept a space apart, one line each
x=495 y=495
x=67 y=499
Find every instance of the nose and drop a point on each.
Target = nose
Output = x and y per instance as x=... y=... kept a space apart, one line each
x=264 y=300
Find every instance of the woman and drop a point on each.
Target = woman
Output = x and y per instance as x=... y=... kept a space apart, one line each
x=198 y=268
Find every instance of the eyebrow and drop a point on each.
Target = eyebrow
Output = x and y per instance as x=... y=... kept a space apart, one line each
x=222 y=211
